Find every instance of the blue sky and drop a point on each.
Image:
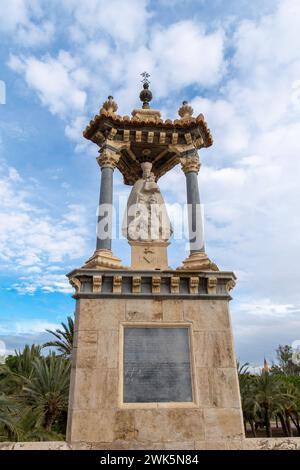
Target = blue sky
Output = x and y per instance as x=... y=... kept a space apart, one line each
x=237 y=62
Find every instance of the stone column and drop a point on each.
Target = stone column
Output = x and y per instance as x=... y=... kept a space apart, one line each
x=105 y=199
x=103 y=257
x=191 y=167
x=197 y=260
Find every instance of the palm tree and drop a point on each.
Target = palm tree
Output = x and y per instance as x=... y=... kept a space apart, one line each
x=47 y=391
x=64 y=338
x=8 y=427
x=269 y=398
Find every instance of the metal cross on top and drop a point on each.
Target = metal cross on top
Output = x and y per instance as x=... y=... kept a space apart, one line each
x=145 y=76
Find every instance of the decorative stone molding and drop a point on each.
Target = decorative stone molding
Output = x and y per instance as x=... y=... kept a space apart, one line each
x=199 y=261
x=108 y=158
x=212 y=283
x=75 y=283
x=112 y=134
x=162 y=137
x=230 y=285
x=194 y=285
x=145 y=283
x=126 y=135
x=136 y=284
x=117 y=284
x=97 y=284
x=189 y=164
x=185 y=111
x=188 y=138
x=110 y=105
x=174 y=138
x=175 y=284
x=150 y=137
x=103 y=259
x=156 y=280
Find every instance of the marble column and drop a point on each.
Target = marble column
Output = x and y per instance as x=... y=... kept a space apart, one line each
x=191 y=167
x=105 y=209
x=107 y=161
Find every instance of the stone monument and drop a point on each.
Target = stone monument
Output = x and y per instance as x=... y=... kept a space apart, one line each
x=153 y=360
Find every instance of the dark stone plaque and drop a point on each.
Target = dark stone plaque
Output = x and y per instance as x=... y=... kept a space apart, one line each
x=157 y=365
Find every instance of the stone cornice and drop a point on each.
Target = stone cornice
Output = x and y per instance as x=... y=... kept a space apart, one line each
x=166 y=284
x=99 y=126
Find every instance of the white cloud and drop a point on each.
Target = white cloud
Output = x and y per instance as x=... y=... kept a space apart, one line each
x=58 y=82
x=28 y=327
x=24 y=22
x=32 y=240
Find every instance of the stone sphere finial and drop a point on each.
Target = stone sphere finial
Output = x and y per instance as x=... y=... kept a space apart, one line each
x=185 y=111
x=110 y=105
x=146 y=94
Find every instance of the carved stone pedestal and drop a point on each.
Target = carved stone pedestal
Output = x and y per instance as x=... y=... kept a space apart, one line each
x=145 y=255
x=153 y=362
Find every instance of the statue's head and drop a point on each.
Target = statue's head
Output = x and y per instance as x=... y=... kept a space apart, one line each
x=146 y=167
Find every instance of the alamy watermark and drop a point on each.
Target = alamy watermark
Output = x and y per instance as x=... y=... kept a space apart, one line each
x=145 y=221
x=2 y=92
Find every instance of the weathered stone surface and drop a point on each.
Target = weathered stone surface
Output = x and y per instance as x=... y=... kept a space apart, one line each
x=92 y=426
x=224 y=388
x=172 y=310
x=98 y=416
x=86 y=389
x=141 y=310
x=101 y=314
x=60 y=445
x=223 y=424
x=291 y=443
x=86 y=356
x=106 y=390
x=125 y=426
x=203 y=386
x=207 y=315
x=169 y=425
x=213 y=349
x=108 y=348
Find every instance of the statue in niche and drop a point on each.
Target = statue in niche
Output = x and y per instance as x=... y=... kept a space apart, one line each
x=146 y=217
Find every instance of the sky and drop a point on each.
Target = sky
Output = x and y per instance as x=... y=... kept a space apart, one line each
x=235 y=61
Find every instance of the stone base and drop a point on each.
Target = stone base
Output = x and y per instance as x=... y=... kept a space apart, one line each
x=97 y=414
x=199 y=262
x=280 y=443
x=103 y=259
x=145 y=255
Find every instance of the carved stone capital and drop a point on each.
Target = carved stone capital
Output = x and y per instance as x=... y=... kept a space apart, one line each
x=108 y=158
x=190 y=164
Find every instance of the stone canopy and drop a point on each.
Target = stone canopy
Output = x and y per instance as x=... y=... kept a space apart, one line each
x=145 y=136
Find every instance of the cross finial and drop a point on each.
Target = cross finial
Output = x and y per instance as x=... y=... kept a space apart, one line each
x=145 y=95
x=145 y=76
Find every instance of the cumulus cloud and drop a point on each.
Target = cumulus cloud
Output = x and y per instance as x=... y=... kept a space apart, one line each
x=23 y=21
x=32 y=240
x=57 y=81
